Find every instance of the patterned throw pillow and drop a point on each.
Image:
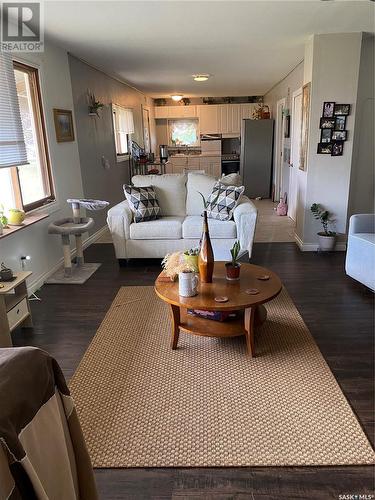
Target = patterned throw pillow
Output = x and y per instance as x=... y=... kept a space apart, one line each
x=142 y=202
x=223 y=200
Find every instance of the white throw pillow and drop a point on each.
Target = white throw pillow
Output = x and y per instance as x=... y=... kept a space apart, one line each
x=170 y=191
x=198 y=183
x=233 y=179
x=223 y=200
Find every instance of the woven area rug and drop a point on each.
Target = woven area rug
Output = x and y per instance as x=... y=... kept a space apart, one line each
x=207 y=404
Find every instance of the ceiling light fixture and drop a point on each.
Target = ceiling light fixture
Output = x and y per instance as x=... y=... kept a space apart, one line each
x=201 y=78
x=177 y=97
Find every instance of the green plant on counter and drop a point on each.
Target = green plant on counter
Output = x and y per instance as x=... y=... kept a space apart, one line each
x=235 y=251
x=192 y=251
x=3 y=218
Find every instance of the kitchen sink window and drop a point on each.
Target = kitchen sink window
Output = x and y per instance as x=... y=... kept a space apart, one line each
x=183 y=132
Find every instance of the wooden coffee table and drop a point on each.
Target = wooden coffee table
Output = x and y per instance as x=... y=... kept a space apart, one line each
x=251 y=311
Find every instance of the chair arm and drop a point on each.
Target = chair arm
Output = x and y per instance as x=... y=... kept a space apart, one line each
x=119 y=219
x=362 y=223
x=245 y=216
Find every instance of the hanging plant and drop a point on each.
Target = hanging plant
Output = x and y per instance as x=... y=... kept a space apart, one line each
x=94 y=105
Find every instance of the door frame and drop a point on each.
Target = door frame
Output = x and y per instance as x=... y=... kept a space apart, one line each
x=146 y=108
x=294 y=174
x=279 y=148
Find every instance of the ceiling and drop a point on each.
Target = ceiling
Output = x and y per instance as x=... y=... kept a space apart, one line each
x=247 y=46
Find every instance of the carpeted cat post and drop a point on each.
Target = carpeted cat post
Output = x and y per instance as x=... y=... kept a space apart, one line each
x=79 y=272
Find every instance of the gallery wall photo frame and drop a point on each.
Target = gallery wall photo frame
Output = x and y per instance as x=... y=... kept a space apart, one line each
x=306 y=90
x=328 y=109
x=340 y=122
x=64 y=128
x=341 y=109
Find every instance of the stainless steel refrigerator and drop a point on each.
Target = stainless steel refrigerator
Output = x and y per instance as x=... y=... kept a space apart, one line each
x=256 y=157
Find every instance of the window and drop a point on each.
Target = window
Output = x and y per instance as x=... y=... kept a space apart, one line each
x=183 y=132
x=123 y=127
x=28 y=186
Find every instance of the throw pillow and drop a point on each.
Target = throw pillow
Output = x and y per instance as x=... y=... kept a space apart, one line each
x=231 y=180
x=223 y=200
x=142 y=202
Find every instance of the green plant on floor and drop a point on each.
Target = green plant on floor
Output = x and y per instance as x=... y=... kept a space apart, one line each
x=235 y=251
x=324 y=216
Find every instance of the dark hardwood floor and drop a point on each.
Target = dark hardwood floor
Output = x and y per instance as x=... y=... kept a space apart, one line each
x=339 y=314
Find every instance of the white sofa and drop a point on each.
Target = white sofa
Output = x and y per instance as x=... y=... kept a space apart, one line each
x=360 y=256
x=180 y=226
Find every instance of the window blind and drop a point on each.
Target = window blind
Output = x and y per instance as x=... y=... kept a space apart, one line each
x=12 y=142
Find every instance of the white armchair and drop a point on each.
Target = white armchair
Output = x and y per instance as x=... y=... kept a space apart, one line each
x=360 y=256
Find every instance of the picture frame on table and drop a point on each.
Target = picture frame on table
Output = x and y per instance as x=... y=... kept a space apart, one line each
x=337 y=148
x=342 y=109
x=327 y=123
x=324 y=148
x=340 y=122
x=326 y=135
x=64 y=128
x=339 y=135
x=328 y=109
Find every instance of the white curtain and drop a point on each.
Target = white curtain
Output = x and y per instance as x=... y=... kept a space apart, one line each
x=12 y=142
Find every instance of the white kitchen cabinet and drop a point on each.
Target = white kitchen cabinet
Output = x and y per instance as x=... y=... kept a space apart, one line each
x=209 y=122
x=175 y=112
x=234 y=118
x=211 y=165
x=194 y=162
x=247 y=111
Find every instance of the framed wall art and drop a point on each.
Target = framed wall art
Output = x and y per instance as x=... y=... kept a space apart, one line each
x=63 y=125
x=305 y=125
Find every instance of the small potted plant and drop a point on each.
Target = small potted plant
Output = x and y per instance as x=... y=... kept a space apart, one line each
x=94 y=105
x=3 y=218
x=327 y=239
x=233 y=268
x=191 y=258
x=15 y=217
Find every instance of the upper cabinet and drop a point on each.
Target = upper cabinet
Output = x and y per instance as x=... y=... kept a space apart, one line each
x=213 y=118
x=175 y=112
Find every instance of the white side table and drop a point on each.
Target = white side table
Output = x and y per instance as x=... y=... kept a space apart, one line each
x=14 y=307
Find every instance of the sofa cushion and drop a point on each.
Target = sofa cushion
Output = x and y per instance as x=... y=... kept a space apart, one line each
x=170 y=191
x=233 y=179
x=166 y=228
x=142 y=202
x=192 y=228
x=197 y=183
x=223 y=200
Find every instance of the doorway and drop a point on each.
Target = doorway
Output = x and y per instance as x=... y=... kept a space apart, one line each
x=279 y=148
x=295 y=152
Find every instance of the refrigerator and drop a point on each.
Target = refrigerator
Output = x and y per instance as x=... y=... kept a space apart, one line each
x=256 y=157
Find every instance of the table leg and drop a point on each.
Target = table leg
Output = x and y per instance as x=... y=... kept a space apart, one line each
x=175 y=317
x=249 y=328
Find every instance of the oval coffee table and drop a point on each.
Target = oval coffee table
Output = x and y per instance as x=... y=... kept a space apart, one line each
x=251 y=311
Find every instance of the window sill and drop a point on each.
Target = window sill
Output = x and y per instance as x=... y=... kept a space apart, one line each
x=121 y=159
x=29 y=221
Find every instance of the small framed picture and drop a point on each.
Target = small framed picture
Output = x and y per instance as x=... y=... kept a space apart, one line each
x=327 y=122
x=342 y=109
x=340 y=122
x=338 y=135
x=63 y=125
x=337 y=148
x=324 y=148
x=328 y=109
x=326 y=135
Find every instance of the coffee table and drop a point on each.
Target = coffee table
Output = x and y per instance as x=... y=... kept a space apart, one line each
x=251 y=314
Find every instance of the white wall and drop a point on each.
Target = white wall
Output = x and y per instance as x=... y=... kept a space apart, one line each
x=362 y=184
x=44 y=249
x=335 y=73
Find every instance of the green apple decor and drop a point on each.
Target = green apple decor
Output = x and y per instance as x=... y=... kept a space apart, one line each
x=15 y=216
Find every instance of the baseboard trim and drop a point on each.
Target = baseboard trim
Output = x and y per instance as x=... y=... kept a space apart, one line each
x=314 y=247
x=35 y=285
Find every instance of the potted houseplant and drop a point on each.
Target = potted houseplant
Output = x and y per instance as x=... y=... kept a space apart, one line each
x=191 y=258
x=94 y=105
x=15 y=217
x=327 y=238
x=233 y=268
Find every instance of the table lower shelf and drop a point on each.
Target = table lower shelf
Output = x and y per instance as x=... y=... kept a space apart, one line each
x=209 y=328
